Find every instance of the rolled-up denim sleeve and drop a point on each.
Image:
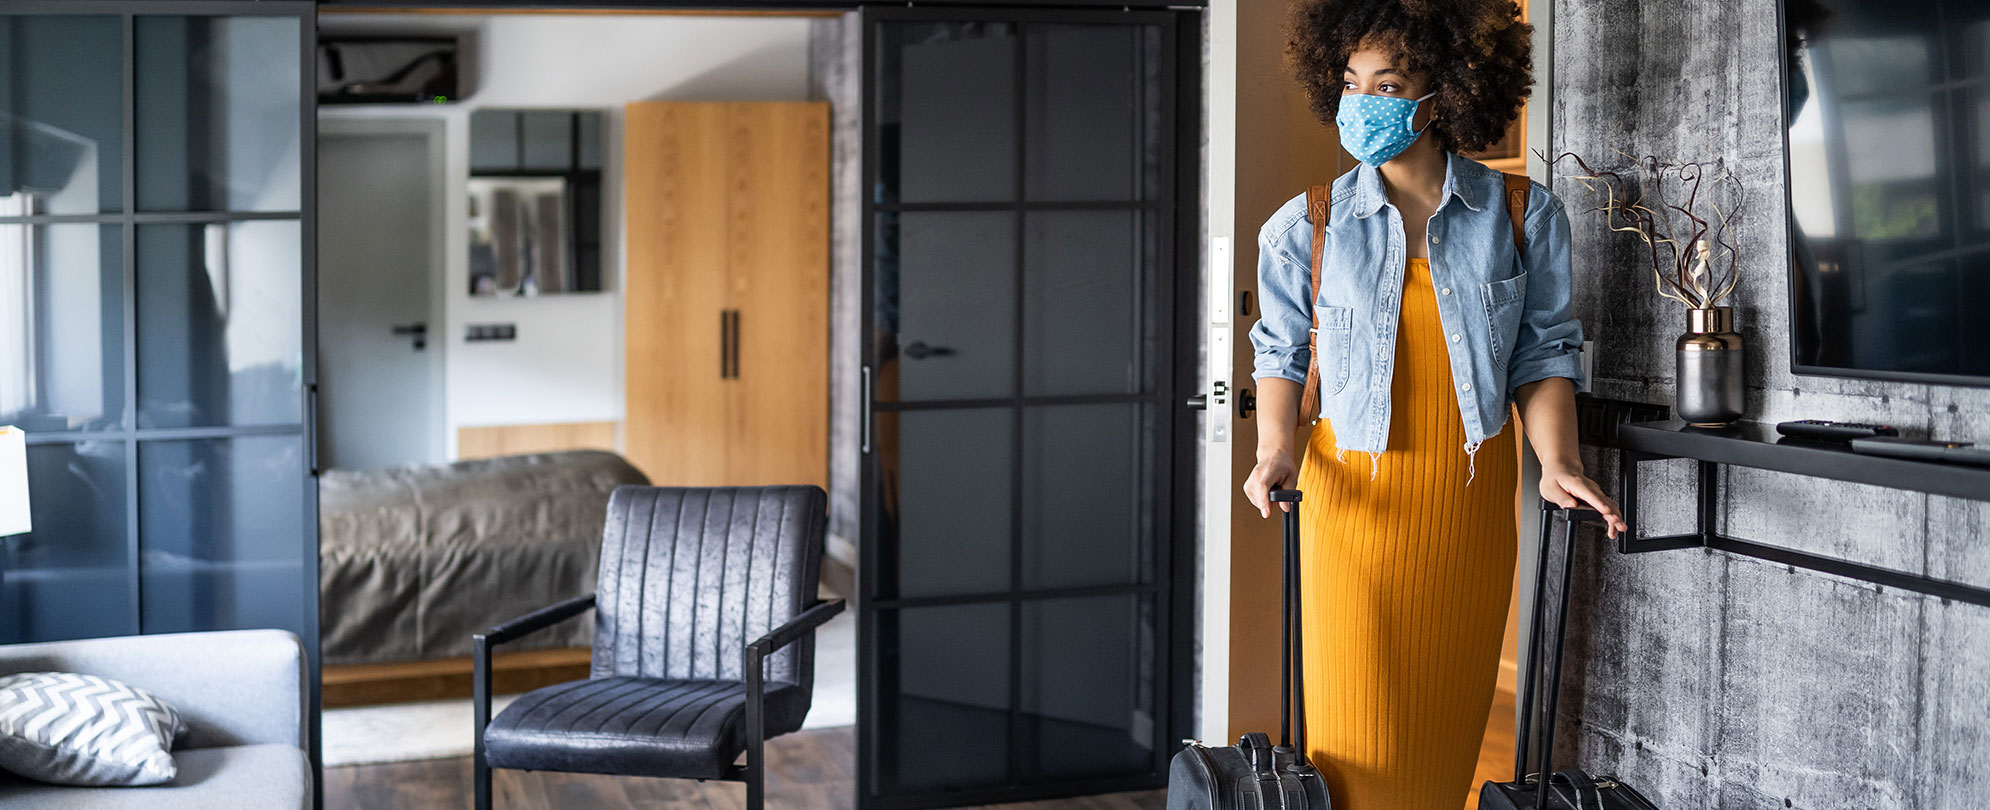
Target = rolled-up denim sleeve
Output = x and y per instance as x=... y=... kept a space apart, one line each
x=1281 y=337
x=1550 y=340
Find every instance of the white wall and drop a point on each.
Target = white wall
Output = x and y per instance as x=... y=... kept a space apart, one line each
x=1219 y=157
x=566 y=365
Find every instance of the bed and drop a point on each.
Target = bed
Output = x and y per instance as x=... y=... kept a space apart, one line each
x=413 y=560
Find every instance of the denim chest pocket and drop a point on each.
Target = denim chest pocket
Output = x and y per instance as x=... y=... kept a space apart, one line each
x=1335 y=333
x=1503 y=301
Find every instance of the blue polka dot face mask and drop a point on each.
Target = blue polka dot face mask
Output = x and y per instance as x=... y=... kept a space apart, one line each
x=1375 y=129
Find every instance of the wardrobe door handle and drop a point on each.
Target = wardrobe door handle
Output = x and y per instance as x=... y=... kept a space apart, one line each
x=728 y=344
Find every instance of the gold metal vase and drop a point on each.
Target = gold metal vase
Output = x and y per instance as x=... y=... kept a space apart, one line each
x=1707 y=389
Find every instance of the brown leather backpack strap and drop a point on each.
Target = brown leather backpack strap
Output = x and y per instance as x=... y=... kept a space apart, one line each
x=1319 y=199
x=1516 y=208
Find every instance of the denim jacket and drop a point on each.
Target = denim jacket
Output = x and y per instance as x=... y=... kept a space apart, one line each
x=1506 y=318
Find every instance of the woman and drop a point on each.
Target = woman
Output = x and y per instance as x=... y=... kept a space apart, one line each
x=1432 y=325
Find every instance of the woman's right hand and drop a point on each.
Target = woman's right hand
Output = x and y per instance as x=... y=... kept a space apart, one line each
x=1274 y=471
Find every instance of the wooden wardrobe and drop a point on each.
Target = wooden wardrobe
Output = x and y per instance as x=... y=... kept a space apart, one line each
x=726 y=318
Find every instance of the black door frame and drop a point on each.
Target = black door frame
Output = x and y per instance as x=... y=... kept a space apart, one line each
x=1176 y=574
x=1178 y=379
x=798 y=6
x=1173 y=585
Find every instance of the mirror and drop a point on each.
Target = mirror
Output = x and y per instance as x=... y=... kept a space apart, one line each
x=535 y=202
x=518 y=236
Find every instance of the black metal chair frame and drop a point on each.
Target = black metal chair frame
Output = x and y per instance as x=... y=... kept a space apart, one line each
x=753 y=773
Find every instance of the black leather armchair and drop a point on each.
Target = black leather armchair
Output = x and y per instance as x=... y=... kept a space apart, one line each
x=704 y=643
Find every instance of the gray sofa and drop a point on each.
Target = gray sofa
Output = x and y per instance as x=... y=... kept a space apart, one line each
x=241 y=693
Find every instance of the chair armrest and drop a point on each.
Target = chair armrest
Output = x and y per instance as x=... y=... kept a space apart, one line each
x=795 y=628
x=235 y=687
x=755 y=652
x=480 y=654
x=536 y=620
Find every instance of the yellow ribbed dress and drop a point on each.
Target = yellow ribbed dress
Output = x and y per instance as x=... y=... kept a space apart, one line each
x=1406 y=578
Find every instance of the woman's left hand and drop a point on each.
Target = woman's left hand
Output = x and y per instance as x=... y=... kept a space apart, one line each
x=1571 y=489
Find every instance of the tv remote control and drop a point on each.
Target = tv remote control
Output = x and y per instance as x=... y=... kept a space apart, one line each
x=1827 y=430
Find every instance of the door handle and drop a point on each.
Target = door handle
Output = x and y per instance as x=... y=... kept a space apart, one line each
x=418 y=331
x=865 y=383
x=311 y=428
x=918 y=350
x=1217 y=392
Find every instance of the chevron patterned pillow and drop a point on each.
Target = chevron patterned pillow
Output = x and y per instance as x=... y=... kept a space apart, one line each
x=70 y=729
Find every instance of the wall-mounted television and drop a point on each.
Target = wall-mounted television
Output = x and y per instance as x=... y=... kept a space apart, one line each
x=1886 y=112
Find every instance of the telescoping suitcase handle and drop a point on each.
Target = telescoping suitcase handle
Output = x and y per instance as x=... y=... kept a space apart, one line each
x=1535 y=652
x=1291 y=667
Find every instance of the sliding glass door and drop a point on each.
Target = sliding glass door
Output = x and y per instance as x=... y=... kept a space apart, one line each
x=155 y=316
x=1019 y=611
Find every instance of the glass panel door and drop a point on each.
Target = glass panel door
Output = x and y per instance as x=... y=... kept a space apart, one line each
x=155 y=328
x=1021 y=284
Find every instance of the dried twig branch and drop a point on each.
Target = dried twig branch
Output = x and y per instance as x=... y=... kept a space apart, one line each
x=1693 y=260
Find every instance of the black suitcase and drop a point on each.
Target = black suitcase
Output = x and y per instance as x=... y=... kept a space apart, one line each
x=1569 y=789
x=1254 y=774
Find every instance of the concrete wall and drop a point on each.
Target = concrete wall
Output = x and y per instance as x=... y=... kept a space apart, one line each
x=835 y=75
x=1723 y=682
x=566 y=365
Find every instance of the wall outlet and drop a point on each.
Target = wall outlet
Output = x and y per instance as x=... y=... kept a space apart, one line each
x=490 y=331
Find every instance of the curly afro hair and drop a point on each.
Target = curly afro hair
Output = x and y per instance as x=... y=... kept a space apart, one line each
x=1475 y=53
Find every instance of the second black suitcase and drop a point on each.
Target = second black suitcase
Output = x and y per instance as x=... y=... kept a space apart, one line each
x=1569 y=789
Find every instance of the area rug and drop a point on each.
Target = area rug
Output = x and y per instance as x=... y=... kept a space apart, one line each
x=440 y=729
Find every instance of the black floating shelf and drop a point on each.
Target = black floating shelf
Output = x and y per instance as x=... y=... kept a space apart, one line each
x=1757 y=445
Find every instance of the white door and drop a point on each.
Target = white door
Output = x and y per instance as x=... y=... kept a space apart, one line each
x=379 y=350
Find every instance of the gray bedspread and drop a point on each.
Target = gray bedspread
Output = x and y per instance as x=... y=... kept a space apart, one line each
x=412 y=560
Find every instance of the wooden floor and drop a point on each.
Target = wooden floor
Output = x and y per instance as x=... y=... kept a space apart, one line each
x=809 y=769
x=806 y=770
x=1496 y=753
